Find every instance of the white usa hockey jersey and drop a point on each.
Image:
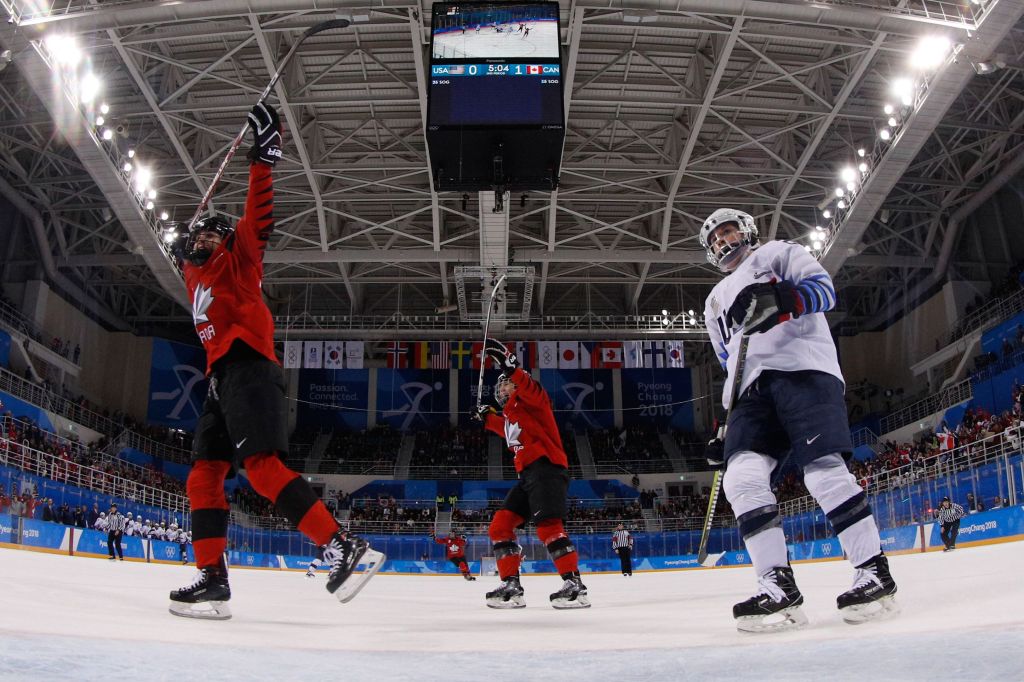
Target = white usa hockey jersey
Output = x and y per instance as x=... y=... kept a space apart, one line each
x=801 y=344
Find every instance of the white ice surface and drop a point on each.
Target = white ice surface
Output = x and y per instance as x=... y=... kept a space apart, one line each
x=85 y=619
x=488 y=43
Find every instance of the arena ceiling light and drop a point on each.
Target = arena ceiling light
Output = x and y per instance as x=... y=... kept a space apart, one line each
x=64 y=50
x=930 y=52
x=142 y=178
x=885 y=134
x=904 y=89
x=848 y=174
x=104 y=108
x=164 y=215
x=88 y=87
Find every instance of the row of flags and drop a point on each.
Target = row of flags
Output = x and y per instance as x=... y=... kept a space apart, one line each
x=466 y=354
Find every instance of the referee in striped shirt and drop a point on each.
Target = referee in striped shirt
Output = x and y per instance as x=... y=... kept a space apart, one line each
x=949 y=515
x=115 y=529
x=622 y=543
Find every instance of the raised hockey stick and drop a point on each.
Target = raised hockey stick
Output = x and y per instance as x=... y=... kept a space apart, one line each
x=311 y=31
x=716 y=483
x=483 y=348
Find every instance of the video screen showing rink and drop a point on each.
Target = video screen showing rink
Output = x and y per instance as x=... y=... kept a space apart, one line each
x=489 y=31
x=90 y=619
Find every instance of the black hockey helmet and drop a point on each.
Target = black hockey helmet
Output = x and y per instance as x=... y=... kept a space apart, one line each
x=215 y=224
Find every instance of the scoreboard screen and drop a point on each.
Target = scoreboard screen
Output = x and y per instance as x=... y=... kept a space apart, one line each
x=495 y=64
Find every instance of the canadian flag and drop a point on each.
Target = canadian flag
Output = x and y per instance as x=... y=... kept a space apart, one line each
x=533 y=70
x=608 y=354
x=568 y=354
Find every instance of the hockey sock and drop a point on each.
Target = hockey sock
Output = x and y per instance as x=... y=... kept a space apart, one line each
x=292 y=496
x=508 y=556
x=747 y=488
x=845 y=505
x=563 y=553
x=205 y=488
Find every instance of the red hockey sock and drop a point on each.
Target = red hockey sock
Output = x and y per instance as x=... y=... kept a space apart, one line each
x=205 y=488
x=503 y=534
x=552 y=533
x=209 y=551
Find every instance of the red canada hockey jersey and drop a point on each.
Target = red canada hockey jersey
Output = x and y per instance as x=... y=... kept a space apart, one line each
x=529 y=427
x=454 y=545
x=227 y=301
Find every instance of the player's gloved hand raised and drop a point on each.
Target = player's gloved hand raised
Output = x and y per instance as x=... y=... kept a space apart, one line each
x=759 y=307
x=504 y=360
x=480 y=413
x=714 y=452
x=266 y=133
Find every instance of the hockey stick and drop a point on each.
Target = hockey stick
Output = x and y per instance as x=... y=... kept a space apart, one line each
x=716 y=483
x=311 y=31
x=483 y=348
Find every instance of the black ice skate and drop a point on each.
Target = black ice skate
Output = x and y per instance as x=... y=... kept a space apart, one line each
x=871 y=596
x=343 y=553
x=508 y=595
x=206 y=597
x=573 y=594
x=468 y=577
x=778 y=596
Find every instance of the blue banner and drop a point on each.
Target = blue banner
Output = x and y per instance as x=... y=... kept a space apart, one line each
x=992 y=340
x=253 y=560
x=333 y=398
x=177 y=384
x=6 y=528
x=412 y=398
x=997 y=523
x=159 y=550
x=581 y=396
x=42 y=534
x=95 y=542
x=5 y=349
x=26 y=411
x=658 y=395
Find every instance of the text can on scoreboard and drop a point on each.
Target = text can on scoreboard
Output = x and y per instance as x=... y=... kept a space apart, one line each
x=495 y=111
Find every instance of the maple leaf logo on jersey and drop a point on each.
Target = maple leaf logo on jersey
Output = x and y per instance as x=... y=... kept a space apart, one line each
x=512 y=432
x=201 y=301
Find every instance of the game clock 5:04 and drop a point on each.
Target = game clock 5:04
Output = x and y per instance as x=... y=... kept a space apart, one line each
x=452 y=70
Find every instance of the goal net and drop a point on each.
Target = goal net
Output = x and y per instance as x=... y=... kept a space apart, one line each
x=488 y=566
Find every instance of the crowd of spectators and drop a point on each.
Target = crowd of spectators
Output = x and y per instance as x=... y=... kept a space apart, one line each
x=636 y=447
x=388 y=515
x=450 y=453
x=360 y=451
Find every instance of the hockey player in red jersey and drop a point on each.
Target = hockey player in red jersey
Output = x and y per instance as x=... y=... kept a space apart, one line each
x=244 y=419
x=455 y=550
x=528 y=426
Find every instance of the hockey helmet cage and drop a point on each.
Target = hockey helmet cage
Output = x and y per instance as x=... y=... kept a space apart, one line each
x=744 y=223
x=215 y=224
x=502 y=382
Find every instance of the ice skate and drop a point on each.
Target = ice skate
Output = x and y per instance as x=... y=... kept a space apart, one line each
x=573 y=595
x=344 y=553
x=205 y=597
x=778 y=597
x=508 y=595
x=311 y=572
x=468 y=577
x=872 y=594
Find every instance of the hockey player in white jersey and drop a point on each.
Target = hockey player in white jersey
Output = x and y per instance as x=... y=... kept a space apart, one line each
x=790 y=404
x=100 y=523
x=129 y=524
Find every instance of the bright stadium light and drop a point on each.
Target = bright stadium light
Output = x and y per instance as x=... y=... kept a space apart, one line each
x=64 y=50
x=151 y=194
x=840 y=191
x=163 y=215
x=888 y=109
x=127 y=167
x=848 y=174
x=142 y=177
x=841 y=204
x=930 y=52
x=149 y=205
x=851 y=186
x=862 y=167
x=892 y=122
x=169 y=235
x=104 y=108
x=807 y=248
x=100 y=121
x=904 y=89
x=885 y=134
x=861 y=152
x=131 y=153
x=108 y=134
x=88 y=88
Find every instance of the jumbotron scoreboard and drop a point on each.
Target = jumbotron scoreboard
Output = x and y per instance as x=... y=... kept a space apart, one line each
x=495 y=112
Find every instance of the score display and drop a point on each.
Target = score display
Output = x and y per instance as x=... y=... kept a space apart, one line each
x=495 y=105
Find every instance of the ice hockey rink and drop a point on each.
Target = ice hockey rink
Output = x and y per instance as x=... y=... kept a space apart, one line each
x=962 y=618
x=487 y=42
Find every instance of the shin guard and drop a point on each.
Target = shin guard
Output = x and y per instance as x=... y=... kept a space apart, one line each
x=563 y=553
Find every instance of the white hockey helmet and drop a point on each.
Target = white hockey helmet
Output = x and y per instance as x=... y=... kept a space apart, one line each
x=744 y=223
x=174 y=526
x=103 y=515
x=129 y=515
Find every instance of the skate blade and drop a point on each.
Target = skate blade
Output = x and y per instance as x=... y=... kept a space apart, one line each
x=512 y=603
x=580 y=602
x=372 y=560
x=206 y=610
x=881 y=609
x=792 y=619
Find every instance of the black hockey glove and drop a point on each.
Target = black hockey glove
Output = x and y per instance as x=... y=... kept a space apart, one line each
x=504 y=360
x=715 y=450
x=266 y=133
x=480 y=413
x=759 y=307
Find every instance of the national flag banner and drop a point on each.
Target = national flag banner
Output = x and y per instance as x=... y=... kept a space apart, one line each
x=398 y=355
x=654 y=354
x=354 y=354
x=633 y=355
x=460 y=353
x=674 y=351
x=608 y=355
x=478 y=348
x=292 y=354
x=568 y=354
x=547 y=354
x=420 y=355
x=440 y=355
x=314 y=354
x=334 y=355
x=526 y=354
x=586 y=354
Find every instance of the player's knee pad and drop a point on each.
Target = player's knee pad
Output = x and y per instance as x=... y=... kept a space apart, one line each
x=506 y=548
x=205 y=485
x=836 y=490
x=268 y=474
x=747 y=487
x=503 y=526
x=552 y=534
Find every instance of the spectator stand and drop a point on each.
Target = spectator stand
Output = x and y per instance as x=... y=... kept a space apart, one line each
x=370 y=452
x=449 y=453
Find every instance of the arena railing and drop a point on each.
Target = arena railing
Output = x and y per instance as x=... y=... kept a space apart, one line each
x=14 y=319
x=998 y=367
x=990 y=313
x=946 y=398
x=60 y=470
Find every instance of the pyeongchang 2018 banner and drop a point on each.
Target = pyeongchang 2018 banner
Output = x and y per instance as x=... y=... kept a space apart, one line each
x=580 y=396
x=409 y=399
x=657 y=395
x=333 y=398
x=177 y=384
